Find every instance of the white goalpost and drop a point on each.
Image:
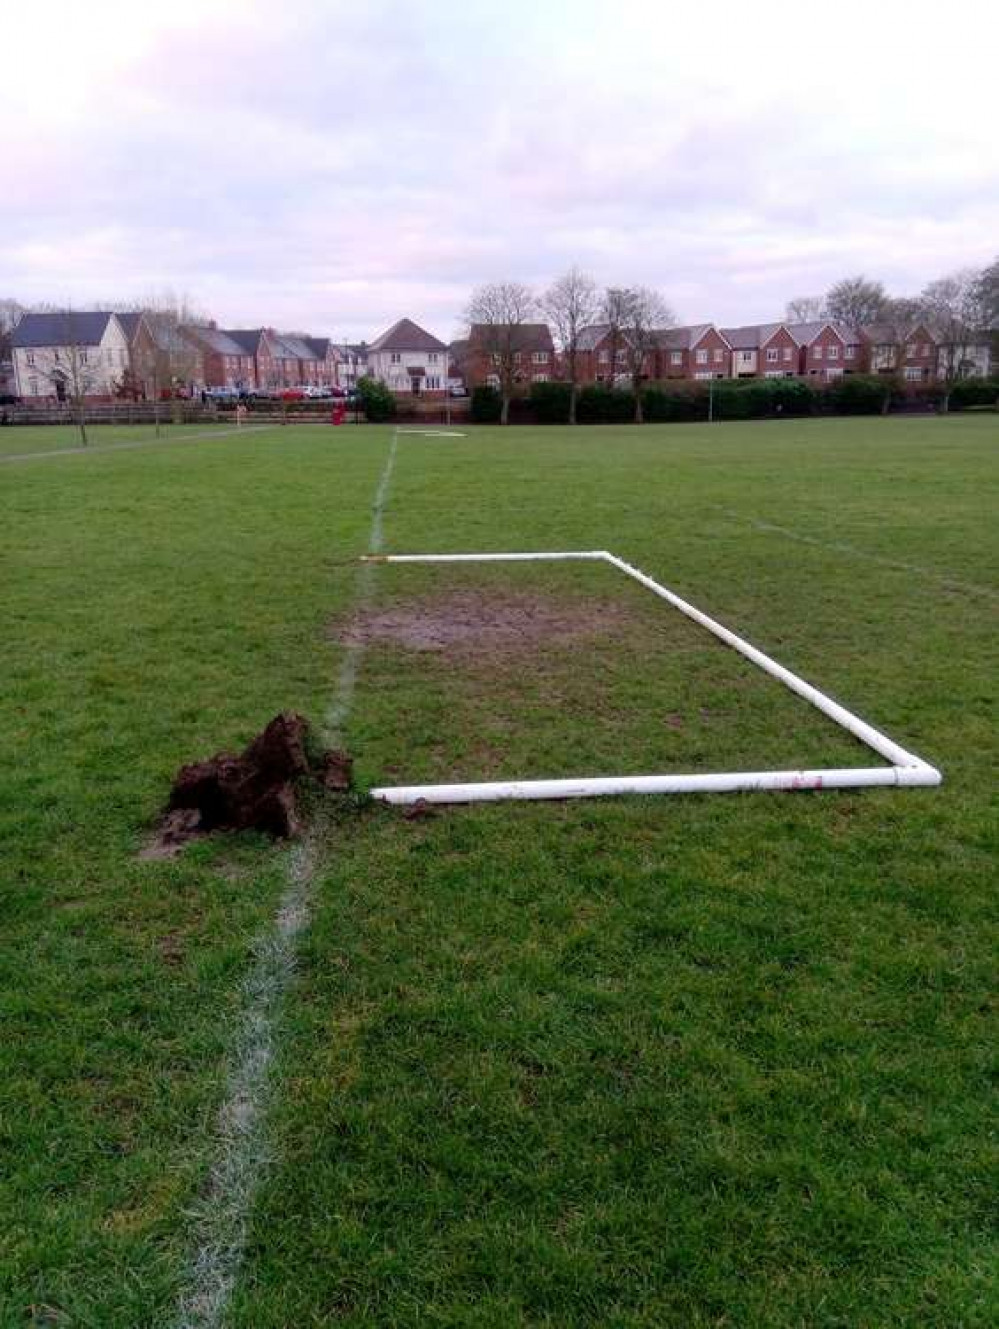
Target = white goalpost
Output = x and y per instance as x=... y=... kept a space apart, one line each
x=905 y=770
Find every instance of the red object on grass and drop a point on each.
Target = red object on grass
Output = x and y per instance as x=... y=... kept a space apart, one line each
x=338 y=414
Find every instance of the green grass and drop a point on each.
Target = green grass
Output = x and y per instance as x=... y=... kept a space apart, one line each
x=28 y=440
x=685 y=1061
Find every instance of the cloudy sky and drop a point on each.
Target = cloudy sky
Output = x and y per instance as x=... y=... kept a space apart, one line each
x=331 y=166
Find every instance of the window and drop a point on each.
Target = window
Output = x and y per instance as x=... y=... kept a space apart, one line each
x=604 y=357
x=816 y=352
x=676 y=357
x=913 y=373
x=924 y=349
x=433 y=357
x=701 y=357
x=851 y=352
x=833 y=353
x=516 y=357
x=541 y=378
x=121 y=355
x=540 y=357
x=911 y=349
x=701 y=376
x=33 y=386
x=493 y=380
x=772 y=355
x=719 y=355
x=29 y=357
x=747 y=357
x=110 y=356
x=787 y=355
x=395 y=358
x=57 y=355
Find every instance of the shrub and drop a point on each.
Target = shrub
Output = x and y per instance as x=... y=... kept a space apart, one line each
x=974 y=392
x=598 y=405
x=378 y=402
x=859 y=394
x=487 y=404
x=550 y=402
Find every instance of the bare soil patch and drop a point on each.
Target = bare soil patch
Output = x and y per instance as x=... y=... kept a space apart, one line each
x=464 y=622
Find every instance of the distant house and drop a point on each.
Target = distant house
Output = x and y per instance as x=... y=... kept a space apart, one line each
x=828 y=350
x=409 y=360
x=226 y=363
x=699 y=352
x=532 y=348
x=911 y=352
x=601 y=355
x=325 y=360
x=351 y=363
x=68 y=354
x=270 y=371
x=763 y=350
x=8 y=384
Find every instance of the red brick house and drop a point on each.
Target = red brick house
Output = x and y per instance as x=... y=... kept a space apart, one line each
x=534 y=358
x=603 y=357
x=911 y=352
x=226 y=364
x=325 y=360
x=920 y=354
x=763 y=350
x=698 y=352
x=824 y=348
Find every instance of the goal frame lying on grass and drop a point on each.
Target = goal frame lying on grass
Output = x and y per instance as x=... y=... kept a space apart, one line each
x=905 y=771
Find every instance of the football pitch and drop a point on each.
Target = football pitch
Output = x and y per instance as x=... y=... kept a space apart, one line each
x=697 y=1060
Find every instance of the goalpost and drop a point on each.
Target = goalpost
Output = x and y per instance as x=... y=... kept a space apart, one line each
x=905 y=770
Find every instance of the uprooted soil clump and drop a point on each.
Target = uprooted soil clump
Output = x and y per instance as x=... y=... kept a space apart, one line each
x=257 y=789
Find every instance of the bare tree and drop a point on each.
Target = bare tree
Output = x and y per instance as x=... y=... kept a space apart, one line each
x=10 y=315
x=805 y=309
x=571 y=304
x=646 y=313
x=496 y=316
x=958 y=316
x=614 y=313
x=856 y=301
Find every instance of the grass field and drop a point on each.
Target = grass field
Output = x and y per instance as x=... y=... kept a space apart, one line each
x=721 y=1061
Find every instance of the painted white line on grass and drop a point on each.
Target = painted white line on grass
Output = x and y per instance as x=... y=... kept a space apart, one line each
x=841 y=547
x=434 y=433
x=242 y=1148
x=217 y=432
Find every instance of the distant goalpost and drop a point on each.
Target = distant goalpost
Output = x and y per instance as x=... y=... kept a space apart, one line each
x=905 y=770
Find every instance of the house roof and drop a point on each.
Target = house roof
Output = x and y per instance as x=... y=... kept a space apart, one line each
x=752 y=336
x=247 y=339
x=590 y=338
x=683 y=339
x=130 y=323
x=319 y=346
x=296 y=346
x=66 y=328
x=523 y=336
x=222 y=343
x=406 y=336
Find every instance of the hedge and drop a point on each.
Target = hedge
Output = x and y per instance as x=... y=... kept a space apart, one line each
x=486 y=405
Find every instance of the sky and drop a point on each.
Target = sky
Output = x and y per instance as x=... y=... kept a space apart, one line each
x=330 y=167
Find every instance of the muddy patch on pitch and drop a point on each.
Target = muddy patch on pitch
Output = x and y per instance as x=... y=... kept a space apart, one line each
x=466 y=622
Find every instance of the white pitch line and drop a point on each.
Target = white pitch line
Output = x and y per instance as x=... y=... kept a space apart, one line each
x=434 y=433
x=242 y=1149
x=217 y=432
x=841 y=547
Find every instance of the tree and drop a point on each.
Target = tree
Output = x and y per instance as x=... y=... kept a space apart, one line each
x=904 y=311
x=614 y=313
x=958 y=316
x=571 y=304
x=10 y=315
x=645 y=314
x=856 y=301
x=496 y=315
x=805 y=309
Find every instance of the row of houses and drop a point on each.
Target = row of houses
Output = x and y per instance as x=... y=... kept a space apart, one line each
x=100 y=354
x=144 y=355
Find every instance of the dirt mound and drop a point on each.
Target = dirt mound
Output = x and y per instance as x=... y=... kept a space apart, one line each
x=464 y=621
x=254 y=790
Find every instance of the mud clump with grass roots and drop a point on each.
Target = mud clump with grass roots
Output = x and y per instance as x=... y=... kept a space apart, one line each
x=257 y=789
